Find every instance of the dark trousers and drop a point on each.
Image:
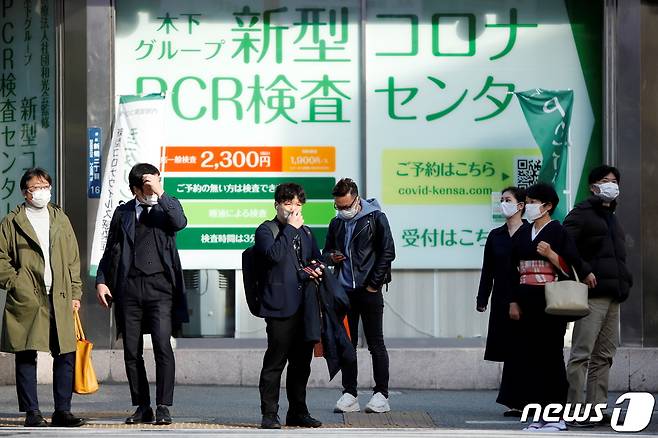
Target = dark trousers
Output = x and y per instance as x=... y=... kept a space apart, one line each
x=63 y=369
x=536 y=358
x=285 y=344
x=146 y=306
x=369 y=306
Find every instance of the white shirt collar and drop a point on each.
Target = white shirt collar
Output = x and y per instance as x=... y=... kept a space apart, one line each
x=534 y=233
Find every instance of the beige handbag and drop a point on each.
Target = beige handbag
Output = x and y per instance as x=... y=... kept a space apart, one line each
x=567 y=298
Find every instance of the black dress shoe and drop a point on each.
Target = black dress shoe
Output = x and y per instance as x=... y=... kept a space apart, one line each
x=580 y=424
x=270 y=421
x=162 y=416
x=304 y=420
x=517 y=413
x=66 y=419
x=143 y=414
x=607 y=418
x=34 y=419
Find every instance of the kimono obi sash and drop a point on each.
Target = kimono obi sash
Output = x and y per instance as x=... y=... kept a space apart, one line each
x=537 y=272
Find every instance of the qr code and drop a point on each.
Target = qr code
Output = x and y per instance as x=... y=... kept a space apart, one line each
x=526 y=171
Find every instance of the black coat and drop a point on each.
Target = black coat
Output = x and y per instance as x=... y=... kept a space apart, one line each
x=325 y=307
x=283 y=277
x=168 y=218
x=495 y=282
x=371 y=251
x=602 y=245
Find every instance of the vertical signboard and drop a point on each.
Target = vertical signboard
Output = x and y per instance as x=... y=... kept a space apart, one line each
x=27 y=94
x=94 y=162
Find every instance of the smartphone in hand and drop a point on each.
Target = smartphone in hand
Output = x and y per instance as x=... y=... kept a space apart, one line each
x=337 y=256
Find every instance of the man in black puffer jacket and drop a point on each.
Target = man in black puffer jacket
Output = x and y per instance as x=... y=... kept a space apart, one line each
x=600 y=240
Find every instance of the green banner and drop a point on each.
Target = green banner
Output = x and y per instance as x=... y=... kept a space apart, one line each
x=202 y=238
x=548 y=113
x=244 y=188
x=218 y=213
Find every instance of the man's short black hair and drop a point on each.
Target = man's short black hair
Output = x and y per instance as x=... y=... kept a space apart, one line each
x=135 y=177
x=37 y=172
x=287 y=191
x=519 y=194
x=545 y=193
x=600 y=172
x=344 y=187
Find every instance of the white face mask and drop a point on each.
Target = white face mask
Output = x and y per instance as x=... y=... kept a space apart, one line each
x=350 y=212
x=509 y=209
x=347 y=214
x=282 y=213
x=533 y=211
x=150 y=199
x=40 y=198
x=608 y=191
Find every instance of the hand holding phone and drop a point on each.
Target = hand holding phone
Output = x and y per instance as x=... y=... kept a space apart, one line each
x=315 y=269
x=337 y=256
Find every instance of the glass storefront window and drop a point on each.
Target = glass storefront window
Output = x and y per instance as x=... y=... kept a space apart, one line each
x=414 y=99
x=28 y=83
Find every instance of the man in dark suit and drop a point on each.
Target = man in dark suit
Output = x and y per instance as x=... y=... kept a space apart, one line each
x=287 y=258
x=141 y=272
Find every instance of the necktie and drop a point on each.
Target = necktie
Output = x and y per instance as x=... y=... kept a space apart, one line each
x=143 y=216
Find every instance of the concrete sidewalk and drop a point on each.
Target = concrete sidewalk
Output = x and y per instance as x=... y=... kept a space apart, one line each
x=238 y=363
x=209 y=407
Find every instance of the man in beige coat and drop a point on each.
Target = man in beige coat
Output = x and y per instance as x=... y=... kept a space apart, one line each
x=40 y=270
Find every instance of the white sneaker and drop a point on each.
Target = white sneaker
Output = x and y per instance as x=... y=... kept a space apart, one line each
x=347 y=403
x=559 y=426
x=533 y=427
x=378 y=404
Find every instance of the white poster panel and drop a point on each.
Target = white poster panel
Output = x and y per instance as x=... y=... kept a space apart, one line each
x=444 y=129
x=137 y=138
x=259 y=93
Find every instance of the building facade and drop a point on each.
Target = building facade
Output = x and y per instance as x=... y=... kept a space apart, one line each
x=413 y=99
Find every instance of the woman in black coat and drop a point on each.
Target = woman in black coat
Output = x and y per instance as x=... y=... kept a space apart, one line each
x=543 y=252
x=494 y=282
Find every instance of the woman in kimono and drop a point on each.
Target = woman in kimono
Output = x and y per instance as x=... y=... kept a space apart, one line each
x=543 y=252
x=495 y=282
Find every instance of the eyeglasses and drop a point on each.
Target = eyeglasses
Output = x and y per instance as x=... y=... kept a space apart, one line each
x=35 y=188
x=341 y=208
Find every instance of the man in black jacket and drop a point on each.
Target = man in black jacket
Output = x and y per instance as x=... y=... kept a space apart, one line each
x=140 y=271
x=286 y=259
x=600 y=240
x=360 y=244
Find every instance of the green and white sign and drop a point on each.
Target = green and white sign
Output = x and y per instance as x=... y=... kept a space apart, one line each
x=548 y=113
x=257 y=93
x=445 y=133
x=28 y=82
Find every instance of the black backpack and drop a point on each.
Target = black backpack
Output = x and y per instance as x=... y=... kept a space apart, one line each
x=251 y=275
